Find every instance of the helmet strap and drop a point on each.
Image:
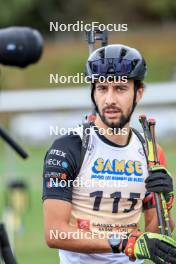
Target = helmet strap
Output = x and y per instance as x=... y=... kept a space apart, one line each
x=135 y=95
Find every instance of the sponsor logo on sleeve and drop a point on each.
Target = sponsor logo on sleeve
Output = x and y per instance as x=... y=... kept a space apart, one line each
x=83 y=224
x=56 y=163
x=53 y=174
x=55 y=183
x=57 y=152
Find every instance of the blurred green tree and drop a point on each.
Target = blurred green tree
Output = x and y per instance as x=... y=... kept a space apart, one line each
x=38 y=13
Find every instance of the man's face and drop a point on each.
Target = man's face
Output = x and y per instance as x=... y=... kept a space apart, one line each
x=115 y=102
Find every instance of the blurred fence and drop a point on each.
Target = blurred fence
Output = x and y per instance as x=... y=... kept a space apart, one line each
x=36 y=111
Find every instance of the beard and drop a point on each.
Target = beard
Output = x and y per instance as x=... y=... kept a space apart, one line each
x=123 y=120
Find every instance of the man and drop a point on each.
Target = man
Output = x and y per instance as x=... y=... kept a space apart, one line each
x=114 y=185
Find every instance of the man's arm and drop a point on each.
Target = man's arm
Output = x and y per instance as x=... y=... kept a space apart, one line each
x=56 y=219
x=156 y=247
x=63 y=160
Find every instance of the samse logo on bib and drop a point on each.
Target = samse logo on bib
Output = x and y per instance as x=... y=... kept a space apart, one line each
x=117 y=167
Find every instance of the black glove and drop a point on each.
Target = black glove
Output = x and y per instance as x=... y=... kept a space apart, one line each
x=159 y=180
x=161 y=249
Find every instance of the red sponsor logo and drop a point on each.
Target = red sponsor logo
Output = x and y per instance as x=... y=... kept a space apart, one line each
x=63 y=176
x=83 y=224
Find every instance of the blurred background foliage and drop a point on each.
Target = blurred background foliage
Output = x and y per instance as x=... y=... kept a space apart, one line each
x=151 y=29
x=38 y=13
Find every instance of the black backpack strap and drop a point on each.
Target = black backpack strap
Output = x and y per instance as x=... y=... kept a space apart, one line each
x=141 y=139
x=85 y=140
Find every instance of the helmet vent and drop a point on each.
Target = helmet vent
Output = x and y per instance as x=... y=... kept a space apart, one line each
x=134 y=63
x=123 y=53
x=102 y=53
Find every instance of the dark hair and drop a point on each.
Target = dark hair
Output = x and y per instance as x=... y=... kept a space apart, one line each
x=138 y=84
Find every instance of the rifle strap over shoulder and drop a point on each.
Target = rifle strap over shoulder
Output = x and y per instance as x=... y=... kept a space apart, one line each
x=85 y=140
x=141 y=139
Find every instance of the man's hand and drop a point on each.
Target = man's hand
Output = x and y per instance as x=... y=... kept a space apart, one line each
x=158 y=248
x=160 y=181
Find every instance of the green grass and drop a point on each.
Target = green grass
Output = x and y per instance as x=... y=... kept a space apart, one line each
x=31 y=247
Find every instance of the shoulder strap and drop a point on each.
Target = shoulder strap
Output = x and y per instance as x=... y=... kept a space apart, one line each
x=141 y=139
x=85 y=140
x=138 y=134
